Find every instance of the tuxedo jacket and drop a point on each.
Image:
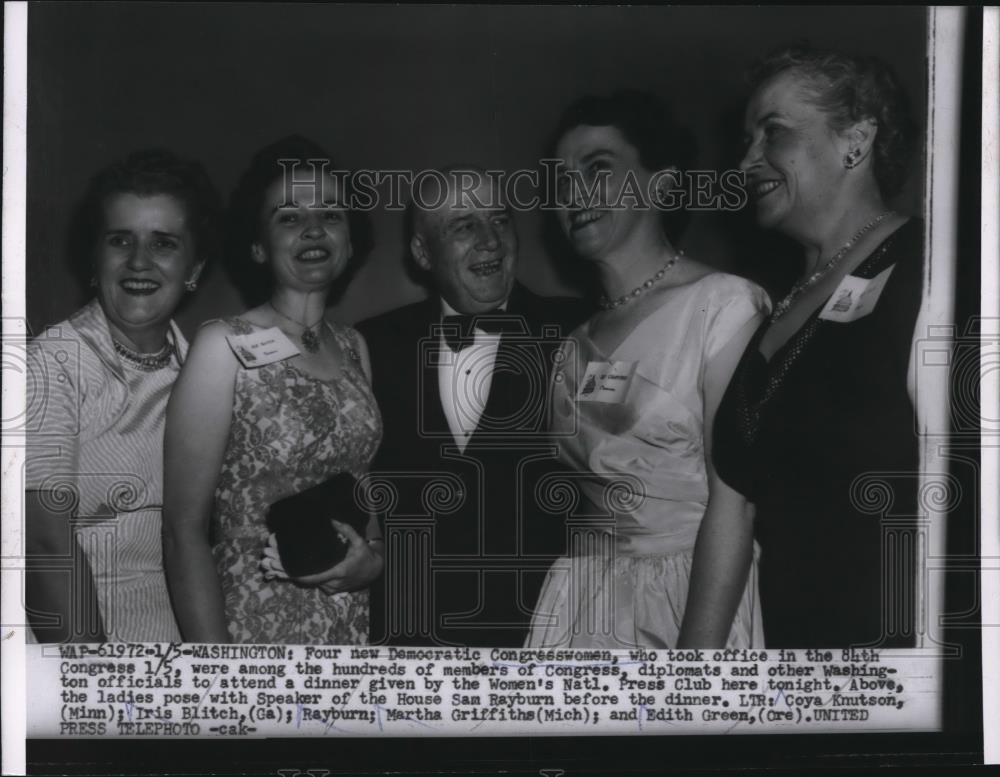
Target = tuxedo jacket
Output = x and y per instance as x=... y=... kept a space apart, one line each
x=467 y=540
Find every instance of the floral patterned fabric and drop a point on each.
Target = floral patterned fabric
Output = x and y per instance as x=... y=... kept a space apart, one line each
x=289 y=432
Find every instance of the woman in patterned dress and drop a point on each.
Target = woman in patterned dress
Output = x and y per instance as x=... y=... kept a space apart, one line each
x=97 y=388
x=244 y=433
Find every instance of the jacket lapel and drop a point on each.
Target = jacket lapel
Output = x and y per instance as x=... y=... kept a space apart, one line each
x=432 y=419
x=509 y=406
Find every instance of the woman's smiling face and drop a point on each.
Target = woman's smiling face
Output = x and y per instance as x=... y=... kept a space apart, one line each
x=145 y=253
x=305 y=237
x=597 y=216
x=794 y=160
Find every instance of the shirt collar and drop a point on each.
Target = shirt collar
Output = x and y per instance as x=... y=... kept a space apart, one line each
x=448 y=310
x=92 y=325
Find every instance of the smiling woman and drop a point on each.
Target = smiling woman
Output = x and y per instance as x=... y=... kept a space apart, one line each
x=274 y=406
x=633 y=410
x=99 y=384
x=819 y=404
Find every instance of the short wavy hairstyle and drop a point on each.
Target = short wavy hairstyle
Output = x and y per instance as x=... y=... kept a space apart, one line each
x=148 y=173
x=247 y=200
x=848 y=89
x=647 y=123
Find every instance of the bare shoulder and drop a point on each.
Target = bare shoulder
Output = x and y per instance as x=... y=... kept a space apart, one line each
x=211 y=346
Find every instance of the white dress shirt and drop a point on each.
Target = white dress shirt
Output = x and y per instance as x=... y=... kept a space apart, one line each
x=465 y=378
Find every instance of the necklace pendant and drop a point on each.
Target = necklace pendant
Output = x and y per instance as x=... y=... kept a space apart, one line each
x=310 y=340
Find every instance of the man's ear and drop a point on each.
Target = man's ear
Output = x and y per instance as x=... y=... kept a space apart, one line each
x=418 y=248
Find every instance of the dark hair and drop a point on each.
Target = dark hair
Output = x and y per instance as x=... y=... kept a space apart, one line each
x=244 y=221
x=848 y=89
x=647 y=123
x=148 y=173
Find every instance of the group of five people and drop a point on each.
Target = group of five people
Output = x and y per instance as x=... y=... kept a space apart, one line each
x=534 y=474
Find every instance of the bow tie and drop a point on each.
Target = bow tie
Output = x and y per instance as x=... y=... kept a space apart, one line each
x=458 y=329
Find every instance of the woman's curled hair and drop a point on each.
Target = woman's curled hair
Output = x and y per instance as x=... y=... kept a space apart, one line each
x=148 y=173
x=848 y=89
x=268 y=165
x=647 y=124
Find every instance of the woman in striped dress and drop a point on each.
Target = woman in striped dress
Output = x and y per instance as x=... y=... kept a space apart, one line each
x=97 y=390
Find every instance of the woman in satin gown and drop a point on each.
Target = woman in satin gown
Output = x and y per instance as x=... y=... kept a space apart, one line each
x=667 y=561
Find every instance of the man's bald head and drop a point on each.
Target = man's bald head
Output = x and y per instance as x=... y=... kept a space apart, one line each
x=463 y=234
x=457 y=185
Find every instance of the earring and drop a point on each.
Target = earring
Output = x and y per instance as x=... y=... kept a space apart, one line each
x=190 y=285
x=851 y=159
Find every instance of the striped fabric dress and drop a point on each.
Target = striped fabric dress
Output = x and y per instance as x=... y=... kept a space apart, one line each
x=95 y=450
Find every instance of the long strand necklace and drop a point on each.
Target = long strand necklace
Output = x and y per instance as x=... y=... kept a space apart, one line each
x=610 y=304
x=782 y=307
x=309 y=338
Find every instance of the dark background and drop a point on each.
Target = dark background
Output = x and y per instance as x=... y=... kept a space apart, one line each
x=386 y=87
x=411 y=87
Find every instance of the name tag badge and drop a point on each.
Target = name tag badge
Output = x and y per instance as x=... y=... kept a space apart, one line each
x=855 y=297
x=606 y=382
x=262 y=347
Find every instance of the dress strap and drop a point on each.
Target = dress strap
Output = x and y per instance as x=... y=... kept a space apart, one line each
x=347 y=339
x=236 y=325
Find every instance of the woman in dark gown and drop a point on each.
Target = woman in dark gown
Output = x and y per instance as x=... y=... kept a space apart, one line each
x=817 y=427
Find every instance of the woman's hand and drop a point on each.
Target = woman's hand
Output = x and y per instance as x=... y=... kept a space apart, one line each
x=360 y=566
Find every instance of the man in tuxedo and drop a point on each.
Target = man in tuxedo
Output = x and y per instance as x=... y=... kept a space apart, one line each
x=462 y=382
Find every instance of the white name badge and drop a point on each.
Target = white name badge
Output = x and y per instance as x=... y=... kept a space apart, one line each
x=855 y=297
x=262 y=347
x=606 y=382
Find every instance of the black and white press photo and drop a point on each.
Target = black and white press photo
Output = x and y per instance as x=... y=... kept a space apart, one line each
x=496 y=387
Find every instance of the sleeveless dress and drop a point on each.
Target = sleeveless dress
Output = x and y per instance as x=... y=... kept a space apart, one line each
x=289 y=432
x=638 y=470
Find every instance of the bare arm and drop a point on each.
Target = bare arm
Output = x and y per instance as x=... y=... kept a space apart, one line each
x=724 y=549
x=198 y=419
x=49 y=590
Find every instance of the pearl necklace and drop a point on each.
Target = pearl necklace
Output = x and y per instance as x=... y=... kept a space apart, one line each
x=782 y=307
x=309 y=338
x=606 y=303
x=147 y=362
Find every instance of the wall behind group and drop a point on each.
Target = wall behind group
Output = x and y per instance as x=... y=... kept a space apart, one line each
x=396 y=87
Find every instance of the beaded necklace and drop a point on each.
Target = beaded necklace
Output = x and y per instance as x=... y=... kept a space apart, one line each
x=608 y=304
x=782 y=307
x=147 y=362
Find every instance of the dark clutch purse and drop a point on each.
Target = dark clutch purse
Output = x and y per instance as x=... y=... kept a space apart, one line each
x=307 y=541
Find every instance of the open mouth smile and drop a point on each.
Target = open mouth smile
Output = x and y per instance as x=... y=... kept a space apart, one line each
x=761 y=189
x=139 y=287
x=583 y=218
x=313 y=255
x=485 y=269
